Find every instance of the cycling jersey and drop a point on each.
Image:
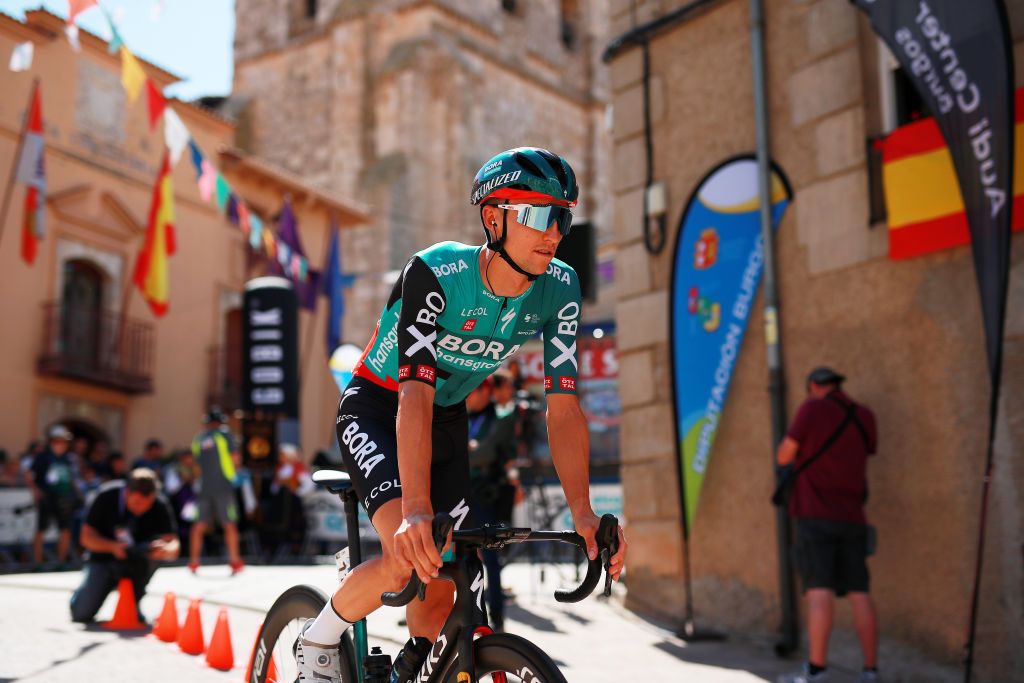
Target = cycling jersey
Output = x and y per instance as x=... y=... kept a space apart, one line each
x=442 y=326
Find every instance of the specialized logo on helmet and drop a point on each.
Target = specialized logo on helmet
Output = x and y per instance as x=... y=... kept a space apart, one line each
x=498 y=181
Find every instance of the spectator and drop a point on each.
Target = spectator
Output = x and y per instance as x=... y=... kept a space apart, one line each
x=286 y=530
x=11 y=475
x=34 y=448
x=53 y=488
x=152 y=457
x=98 y=458
x=491 y=449
x=217 y=453
x=322 y=461
x=117 y=466
x=828 y=445
x=180 y=487
x=128 y=529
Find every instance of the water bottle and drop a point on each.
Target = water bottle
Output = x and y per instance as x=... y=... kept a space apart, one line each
x=376 y=667
x=410 y=659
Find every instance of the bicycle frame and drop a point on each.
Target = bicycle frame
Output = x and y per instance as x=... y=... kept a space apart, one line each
x=466 y=616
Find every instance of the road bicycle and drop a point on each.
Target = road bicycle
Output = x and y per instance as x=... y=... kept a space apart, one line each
x=466 y=649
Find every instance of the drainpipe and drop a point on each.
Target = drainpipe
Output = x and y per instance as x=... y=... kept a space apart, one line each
x=788 y=636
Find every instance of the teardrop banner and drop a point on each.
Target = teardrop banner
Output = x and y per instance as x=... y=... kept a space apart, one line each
x=717 y=266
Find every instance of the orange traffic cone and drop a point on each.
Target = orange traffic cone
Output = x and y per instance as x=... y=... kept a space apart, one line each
x=272 y=671
x=126 y=614
x=166 y=626
x=219 y=654
x=190 y=638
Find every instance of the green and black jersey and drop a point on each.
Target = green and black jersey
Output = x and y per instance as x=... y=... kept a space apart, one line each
x=441 y=325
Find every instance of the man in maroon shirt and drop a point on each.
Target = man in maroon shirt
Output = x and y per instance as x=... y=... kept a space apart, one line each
x=828 y=503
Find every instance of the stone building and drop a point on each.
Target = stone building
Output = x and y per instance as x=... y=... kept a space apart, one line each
x=907 y=333
x=399 y=102
x=63 y=358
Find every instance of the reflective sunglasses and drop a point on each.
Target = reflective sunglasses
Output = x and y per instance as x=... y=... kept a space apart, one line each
x=541 y=217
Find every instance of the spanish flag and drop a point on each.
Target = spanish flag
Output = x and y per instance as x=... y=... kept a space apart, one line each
x=151 y=267
x=922 y=193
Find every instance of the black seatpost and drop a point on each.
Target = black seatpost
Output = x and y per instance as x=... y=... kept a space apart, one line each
x=355 y=549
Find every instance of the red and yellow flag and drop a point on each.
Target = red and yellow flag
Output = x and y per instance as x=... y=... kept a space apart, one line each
x=151 y=267
x=922 y=193
x=31 y=171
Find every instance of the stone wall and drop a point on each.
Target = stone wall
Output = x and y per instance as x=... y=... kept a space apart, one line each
x=908 y=335
x=399 y=103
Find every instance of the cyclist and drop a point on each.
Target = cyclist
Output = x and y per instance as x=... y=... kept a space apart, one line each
x=456 y=312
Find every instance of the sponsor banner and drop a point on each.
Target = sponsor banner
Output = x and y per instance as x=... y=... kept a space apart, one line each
x=270 y=353
x=718 y=260
x=325 y=518
x=958 y=56
x=18 y=518
x=545 y=506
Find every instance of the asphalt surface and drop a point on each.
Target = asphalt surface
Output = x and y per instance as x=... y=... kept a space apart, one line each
x=597 y=640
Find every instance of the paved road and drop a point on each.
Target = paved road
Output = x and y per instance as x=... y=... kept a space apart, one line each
x=592 y=641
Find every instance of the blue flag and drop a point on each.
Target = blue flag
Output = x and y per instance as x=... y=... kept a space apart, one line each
x=334 y=283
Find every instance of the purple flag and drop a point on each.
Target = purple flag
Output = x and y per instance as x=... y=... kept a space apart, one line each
x=288 y=234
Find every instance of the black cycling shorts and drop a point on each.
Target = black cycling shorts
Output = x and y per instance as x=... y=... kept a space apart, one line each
x=369 y=449
x=55 y=510
x=833 y=555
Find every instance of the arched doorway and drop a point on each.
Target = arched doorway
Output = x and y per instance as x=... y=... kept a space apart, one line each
x=81 y=312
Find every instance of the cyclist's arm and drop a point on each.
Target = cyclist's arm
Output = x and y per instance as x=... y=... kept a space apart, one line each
x=570 y=451
x=98 y=543
x=423 y=300
x=414 y=427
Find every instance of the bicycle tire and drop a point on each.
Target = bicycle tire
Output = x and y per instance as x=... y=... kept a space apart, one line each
x=512 y=654
x=296 y=604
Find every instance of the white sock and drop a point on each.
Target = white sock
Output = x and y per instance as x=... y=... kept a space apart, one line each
x=327 y=628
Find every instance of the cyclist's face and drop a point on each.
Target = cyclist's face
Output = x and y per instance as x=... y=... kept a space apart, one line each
x=532 y=249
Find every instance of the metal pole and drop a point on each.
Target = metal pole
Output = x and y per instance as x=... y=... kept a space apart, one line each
x=788 y=629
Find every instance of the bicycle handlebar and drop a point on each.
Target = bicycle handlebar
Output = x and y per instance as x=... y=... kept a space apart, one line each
x=607 y=538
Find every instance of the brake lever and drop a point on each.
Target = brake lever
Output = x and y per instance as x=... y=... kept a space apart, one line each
x=608 y=541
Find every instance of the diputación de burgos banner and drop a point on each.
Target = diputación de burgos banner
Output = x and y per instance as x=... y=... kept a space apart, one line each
x=717 y=266
x=958 y=56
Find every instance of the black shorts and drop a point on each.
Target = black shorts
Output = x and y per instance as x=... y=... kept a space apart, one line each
x=52 y=509
x=831 y=554
x=369 y=449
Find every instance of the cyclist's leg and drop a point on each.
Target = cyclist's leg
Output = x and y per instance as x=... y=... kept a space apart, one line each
x=449 y=492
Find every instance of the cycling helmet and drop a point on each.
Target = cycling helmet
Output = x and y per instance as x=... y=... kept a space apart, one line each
x=529 y=175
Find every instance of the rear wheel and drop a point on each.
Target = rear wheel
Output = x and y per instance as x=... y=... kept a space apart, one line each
x=502 y=657
x=273 y=657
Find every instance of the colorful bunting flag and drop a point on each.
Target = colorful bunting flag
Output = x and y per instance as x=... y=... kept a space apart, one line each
x=176 y=135
x=197 y=158
x=223 y=192
x=71 y=31
x=157 y=103
x=116 y=41
x=21 y=57
x=270 y=245
x=256 y=234
x=133 y=77
x=76 y=7
x=31 y=171
x=207 y=181
x=151 y=267
x=243 y=217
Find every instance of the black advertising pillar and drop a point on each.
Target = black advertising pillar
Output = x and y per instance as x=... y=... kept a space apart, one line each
x=270 y=364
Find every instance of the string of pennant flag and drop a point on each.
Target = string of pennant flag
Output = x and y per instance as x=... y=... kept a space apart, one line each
x=283 y=250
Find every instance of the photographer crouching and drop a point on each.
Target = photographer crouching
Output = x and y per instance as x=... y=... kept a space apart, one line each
x=129 y=527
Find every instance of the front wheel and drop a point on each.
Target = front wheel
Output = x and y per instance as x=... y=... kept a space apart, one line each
x=273 y=656
x=502 y=657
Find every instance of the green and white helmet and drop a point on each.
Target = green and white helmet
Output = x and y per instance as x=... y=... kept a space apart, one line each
x=528 y=174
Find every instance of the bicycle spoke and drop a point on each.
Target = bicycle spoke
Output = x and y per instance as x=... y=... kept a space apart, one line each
x=284 y=653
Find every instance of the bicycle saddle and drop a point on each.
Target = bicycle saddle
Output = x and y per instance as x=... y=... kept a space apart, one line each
x=334 y=481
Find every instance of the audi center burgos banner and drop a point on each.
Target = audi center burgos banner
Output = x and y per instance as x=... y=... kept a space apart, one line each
x=957 y=54
x=717 y=266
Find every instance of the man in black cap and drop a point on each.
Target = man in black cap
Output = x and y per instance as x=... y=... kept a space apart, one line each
x=828 y=445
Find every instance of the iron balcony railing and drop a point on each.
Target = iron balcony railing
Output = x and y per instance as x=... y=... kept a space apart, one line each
x=98 y=347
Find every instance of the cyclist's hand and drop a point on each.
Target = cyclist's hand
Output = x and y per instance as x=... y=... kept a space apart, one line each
x=586 y=526
x=414 y=546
